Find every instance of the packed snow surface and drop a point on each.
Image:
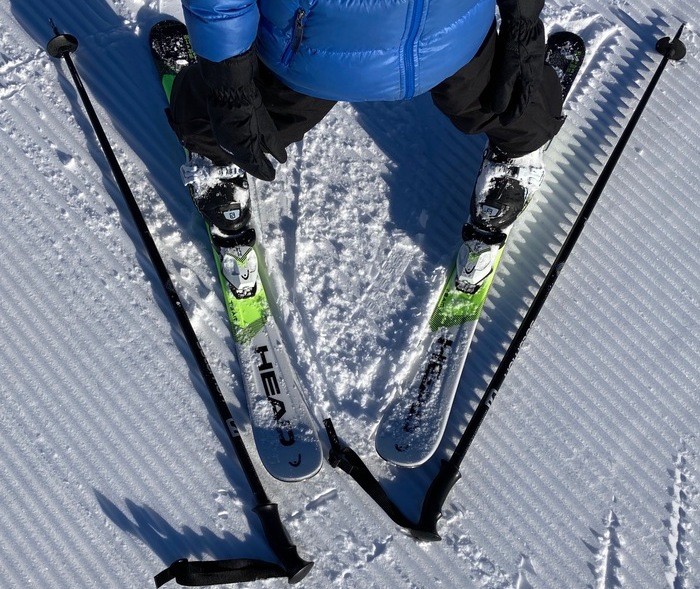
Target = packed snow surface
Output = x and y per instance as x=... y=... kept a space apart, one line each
x=113 y=461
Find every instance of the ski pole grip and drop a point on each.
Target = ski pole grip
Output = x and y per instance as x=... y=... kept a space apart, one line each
x=296 y=568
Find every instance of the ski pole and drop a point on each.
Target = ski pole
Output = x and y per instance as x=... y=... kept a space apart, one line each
x=671 y=49
x=210 y=572
x=343 y=457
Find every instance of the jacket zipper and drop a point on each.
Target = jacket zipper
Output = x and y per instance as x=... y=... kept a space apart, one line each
x=409 y=60
x=297 y=36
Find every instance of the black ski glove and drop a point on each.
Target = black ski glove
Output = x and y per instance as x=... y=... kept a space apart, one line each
x=519 y=60
x=241 y=124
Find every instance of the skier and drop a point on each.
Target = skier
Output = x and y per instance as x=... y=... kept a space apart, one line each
x=268 y=71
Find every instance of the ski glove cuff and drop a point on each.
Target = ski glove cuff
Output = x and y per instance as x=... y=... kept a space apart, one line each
x=517 y=68
x=241 y=124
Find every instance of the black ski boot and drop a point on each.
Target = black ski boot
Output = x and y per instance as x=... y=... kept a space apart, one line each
x=222 y=195
x=503 y=189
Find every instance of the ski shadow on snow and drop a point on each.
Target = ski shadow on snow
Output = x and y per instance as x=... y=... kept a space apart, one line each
x=430 y=170
x=108 y=43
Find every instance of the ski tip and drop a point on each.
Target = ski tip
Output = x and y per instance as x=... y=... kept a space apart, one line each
x=299 y=574
x=287 y=476
x=292 y=467
x=402 y=455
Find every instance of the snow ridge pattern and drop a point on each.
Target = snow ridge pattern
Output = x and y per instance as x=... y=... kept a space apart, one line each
x=113 y=462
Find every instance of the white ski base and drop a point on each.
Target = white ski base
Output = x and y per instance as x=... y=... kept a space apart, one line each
x=413 y=424
x=284 y=435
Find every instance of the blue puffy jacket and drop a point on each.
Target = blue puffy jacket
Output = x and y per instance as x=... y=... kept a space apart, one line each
x=352 y=50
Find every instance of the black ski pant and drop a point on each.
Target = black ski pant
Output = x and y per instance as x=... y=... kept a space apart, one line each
x=462 y=97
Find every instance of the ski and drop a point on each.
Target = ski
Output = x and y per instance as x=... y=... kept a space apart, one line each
x=283 y=429
x=414 y=422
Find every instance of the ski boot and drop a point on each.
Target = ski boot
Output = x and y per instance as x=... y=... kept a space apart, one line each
x=221 y=193
x=503 y=189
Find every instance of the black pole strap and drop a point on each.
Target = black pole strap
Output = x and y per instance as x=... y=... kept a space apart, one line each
x=294 y=567
x=218 y=572
x=345 y=458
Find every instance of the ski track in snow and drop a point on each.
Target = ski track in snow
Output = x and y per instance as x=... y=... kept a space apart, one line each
x=113 y=461
x=606 y=565
x=684 y=494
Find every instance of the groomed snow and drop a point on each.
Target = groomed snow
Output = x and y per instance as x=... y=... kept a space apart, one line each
x=113 y=462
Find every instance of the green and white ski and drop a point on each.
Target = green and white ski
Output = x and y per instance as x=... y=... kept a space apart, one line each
x=413 y=424
x=284 y=433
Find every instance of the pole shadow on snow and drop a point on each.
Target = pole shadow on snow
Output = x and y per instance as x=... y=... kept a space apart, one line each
x=109 y=44
x=169 y=544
